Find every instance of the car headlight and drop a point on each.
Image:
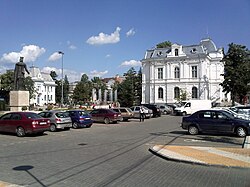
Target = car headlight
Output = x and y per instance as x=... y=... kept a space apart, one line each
x=249 y=124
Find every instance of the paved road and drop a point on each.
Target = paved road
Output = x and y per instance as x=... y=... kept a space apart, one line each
x=113 y=155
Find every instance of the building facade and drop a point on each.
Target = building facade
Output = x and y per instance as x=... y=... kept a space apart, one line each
x=45 y=87
x=195 y=70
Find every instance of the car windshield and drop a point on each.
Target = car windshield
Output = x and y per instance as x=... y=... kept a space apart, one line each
x=129 y=110
x=62 y=114
x=32 y=116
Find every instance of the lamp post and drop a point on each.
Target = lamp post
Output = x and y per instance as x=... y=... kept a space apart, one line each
x=61 y=53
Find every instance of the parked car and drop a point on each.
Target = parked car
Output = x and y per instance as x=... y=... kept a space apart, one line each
x=156 y=110
x=58 y=119
x=80 y=118
x=23 y=123
x=136 y=110
x=164 y=109
x=126 y=113
x=219 y=121
x=105 y=115
x=242 y=111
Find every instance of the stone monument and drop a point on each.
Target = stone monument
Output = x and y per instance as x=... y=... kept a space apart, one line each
x=19 y=97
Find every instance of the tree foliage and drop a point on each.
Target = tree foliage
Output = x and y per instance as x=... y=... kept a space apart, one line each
x=29 y=85
x=7 y=81
x=83 y=90
x=130 y=89
x=236 y=71
x=164 y=44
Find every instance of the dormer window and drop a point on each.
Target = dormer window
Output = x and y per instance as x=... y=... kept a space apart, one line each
x=176 y=52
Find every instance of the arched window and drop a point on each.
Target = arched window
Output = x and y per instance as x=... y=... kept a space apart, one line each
x=194 y=93
x=160 y=93
x=176 y=72
x=176 y=52
x=176 y=92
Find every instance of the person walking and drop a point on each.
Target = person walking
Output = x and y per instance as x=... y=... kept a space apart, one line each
x=142 y=115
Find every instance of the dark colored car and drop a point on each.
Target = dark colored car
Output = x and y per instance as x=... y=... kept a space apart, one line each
x=215 y=121
x=58 y=119
x=80 y=118
x=23 y=123
x=156 y=110
x=105 y=115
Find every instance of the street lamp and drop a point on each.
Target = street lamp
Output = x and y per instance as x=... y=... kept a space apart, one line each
x=61 y=53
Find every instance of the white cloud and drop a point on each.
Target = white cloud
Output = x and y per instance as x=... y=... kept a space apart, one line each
x=71 y=46
x=72 y=75
x=131 y=32
x=132 y=63
x=108 y=56
x=29 y=52
x=55 y=56
x=103 y=38
x=95 y=73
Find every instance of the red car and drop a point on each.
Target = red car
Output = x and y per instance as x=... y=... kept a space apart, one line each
x=23 y=123
x=105 y=115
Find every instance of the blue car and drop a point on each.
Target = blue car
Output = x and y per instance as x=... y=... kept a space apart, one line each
x=80 y=119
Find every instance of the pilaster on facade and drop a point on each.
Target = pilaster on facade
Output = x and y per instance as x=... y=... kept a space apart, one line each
x=195 y=69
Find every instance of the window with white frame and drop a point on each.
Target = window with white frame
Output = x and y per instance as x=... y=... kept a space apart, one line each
x=194 y=72
x=176 y=52
x=194 y=93
x=160 y=73
x=160 y=93
x=176 y=92
x=176 y=72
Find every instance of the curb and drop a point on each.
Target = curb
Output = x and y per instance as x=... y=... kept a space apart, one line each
x=169 y=158
x=6 y=184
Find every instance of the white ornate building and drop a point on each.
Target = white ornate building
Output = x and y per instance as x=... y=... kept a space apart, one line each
x=45 y=87
x=194 y=69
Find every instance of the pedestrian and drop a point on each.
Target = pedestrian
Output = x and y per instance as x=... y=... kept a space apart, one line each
x=142 y=115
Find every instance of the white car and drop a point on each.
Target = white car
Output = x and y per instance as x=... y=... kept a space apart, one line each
x=136 y=109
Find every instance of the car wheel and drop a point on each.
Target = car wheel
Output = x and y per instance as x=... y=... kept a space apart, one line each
x=20 y=132
x=184 y=113
x=106 y=121
x=241 y=132
x=193 y=130
x=52 y=128
x=75 y=125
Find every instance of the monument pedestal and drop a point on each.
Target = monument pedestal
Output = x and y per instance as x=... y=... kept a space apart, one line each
x=19 y=99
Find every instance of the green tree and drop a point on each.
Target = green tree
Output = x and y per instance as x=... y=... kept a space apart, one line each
x=164 y=44
x=126 y=90
x=66 y=90
x=29 y=85
x=83 y=90
x=236 y=71
x=7 y=81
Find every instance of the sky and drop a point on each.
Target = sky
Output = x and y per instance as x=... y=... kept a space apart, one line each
x=105 y=38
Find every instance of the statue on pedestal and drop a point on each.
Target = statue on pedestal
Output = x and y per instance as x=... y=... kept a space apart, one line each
x=19 y=73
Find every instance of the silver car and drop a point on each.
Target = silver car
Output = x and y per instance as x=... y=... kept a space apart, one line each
x=136 y=109
x=58 y=119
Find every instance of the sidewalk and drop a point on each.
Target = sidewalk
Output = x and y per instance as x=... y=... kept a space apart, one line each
x=215 y=156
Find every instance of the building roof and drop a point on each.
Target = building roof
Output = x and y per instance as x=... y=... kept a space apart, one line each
x=205 y=46
x=37 y=75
